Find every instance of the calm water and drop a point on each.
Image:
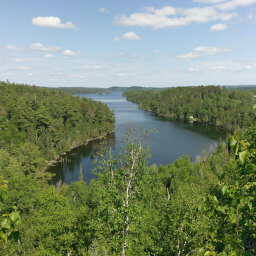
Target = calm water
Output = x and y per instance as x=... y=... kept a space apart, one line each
x=172 y=140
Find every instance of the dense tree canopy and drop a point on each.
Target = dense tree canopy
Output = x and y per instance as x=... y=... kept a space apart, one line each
x=88 y=90
x=229 y=109
x=51 y=120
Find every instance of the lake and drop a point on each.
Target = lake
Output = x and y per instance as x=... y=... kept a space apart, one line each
x=173 y=139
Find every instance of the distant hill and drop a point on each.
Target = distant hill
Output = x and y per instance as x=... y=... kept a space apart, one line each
x=241 y=87
x=83 y=90
x=88 y=90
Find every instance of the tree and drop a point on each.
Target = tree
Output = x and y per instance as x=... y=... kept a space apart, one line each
x=234 y=205
x=9 y=221
x=126 y=191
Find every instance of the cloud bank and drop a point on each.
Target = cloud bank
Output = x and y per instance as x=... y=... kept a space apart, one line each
x=169 y=16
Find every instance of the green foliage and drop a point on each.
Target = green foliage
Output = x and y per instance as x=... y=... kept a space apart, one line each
x=87 y=90
x=9 y=221
x=37 y=125
x=126 y=191
x=234 y=206
x=229 y=109
x=197 y=208
x=51 y=120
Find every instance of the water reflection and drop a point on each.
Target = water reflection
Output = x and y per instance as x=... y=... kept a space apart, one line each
x=208 y=130
x=82 y=157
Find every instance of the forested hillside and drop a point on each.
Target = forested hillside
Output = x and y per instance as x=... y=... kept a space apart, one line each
x=229 y=109
x=87 y=90
x=202 y=208
x=51 y=120
x=83 y=90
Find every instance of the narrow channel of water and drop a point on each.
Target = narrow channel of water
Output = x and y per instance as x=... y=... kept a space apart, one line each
x=172 y=140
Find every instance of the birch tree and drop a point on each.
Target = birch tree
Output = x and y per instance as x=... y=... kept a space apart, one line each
x=126 y=193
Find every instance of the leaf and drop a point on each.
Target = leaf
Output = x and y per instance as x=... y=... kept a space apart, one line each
x=208 y=253
x=2 y=196
x=14 y=216
x=243 y=156
x=3 y=236
x=233 y=142
x=232 y=218
x=224 y=190
x=221 y=209
x=5 y=223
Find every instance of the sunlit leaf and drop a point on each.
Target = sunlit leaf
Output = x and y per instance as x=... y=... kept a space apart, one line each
x=233 y=142
x=243 y=156
x=14 y=216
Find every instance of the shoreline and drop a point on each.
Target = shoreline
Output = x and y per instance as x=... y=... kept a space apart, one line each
x=58 y=159
x=188 y=120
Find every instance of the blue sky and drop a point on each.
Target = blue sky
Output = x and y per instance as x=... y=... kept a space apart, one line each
x=128 y=43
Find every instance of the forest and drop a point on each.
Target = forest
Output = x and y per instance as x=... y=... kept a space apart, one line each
x=88 y=90
x=203 y=208
x=50 y=120
x=226 y=108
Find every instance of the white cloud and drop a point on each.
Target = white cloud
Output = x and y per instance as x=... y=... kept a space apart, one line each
x=43 y=48
x=13 y=47
x=193 y=69
x=157 y=51
x=49 y=56
x=218 y=27
x=250 y=16
x=227 y=66
x=218 y=68
x=127 y=36
x=209 y=1
x=92 y=67
x=21 y=68
x=30 y=74
x=126 y=75
x=231 y=5
x=134 y=56
x=169 y=16
x=111 y=56
x=131 y=36
x=250 y=67
x=6 y=74
x=165 y=11
x=69 y=53
x=200 y=52
x=51 y=22
x=76 y=76
x=116 y=39
x=36 y=47
x=103 y=10
x=17 y=60
x=226 y=5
